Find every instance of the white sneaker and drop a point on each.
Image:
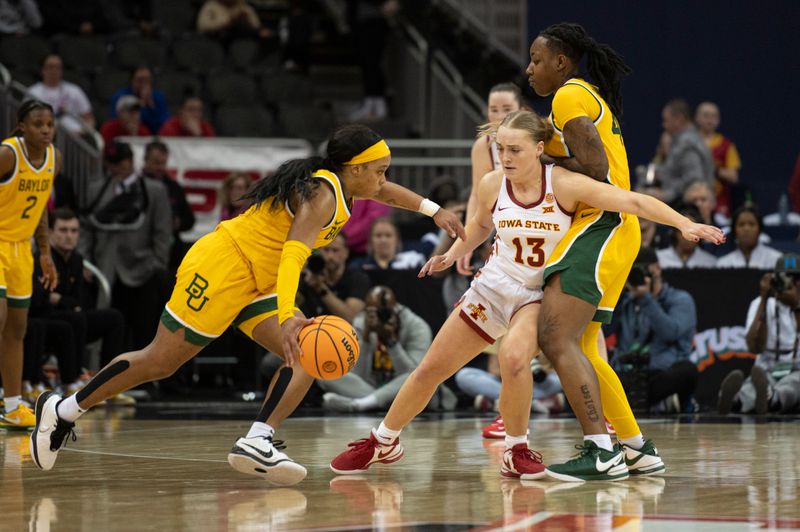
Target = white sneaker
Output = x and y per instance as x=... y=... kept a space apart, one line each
x=261 y=456
x=50 y=431
x=644 y=461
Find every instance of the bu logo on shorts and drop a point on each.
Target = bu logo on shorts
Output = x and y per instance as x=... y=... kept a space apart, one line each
x=196 y=289
x=478 y=312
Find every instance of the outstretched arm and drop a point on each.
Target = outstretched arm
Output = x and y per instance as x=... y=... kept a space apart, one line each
x=571 y=188
x=396 y=195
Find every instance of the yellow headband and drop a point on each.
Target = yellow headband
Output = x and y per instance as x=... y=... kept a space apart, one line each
x=379 y=150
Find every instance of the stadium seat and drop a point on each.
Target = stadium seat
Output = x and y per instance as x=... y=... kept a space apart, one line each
x=198 y=54
x=175 y=16
x=132 y=52
x=278 y=87
x=87 y=54
x=107 y=82
x=79 y=79
x=101 y=111
x=305 y=121
x=231 y=88
x=244 y=121
x=243 y=54
x=24 y=54
x=175 y=85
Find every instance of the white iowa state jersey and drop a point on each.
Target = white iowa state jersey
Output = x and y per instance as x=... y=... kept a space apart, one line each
x=527 y=234
x=494 y=153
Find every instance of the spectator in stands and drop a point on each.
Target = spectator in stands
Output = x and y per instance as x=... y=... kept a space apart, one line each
x=329 y=287
x=189 y=121
x=484 y=386
x=655 y=325
x=774 y=381
x=230 y=195
x=128 y=236
x=19 y=17
x=385 y=250
x=683 y=253
x=369 y=21
x=688 y=158
x=701 y=195
x=127 y=123
x=749 y=253
x=65 y=97
x=152 y=102
x=156 y=155
x=393 y=341
x=358 y=227
x=33 y=349
x=230 y=19
x=723 y=152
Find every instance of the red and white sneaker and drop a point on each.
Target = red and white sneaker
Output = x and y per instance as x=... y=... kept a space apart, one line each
x=496 y=429
x=365 y=452
x=523 y=463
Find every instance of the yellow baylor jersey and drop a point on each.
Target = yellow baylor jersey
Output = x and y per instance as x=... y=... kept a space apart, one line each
x=260 y=233
x=578 y=98
x=24 y=195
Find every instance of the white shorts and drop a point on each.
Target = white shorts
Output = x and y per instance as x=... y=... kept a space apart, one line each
x=492 y=300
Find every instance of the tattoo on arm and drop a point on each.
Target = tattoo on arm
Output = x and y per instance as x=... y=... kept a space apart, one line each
x=591 y=410
x=584 y=142
x=42 y=234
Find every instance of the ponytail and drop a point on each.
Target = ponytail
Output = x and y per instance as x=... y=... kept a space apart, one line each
x=605 y=66
x=295 y=176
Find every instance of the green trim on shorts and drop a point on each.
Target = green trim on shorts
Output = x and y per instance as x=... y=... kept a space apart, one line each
x=602 y=316
x=14 y=302
x=577 y=265
x=255 y=308
x=2 y=293
x=189 y=335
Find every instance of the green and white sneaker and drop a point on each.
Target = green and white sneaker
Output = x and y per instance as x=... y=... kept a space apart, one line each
x=644 y=461
x=592 y=463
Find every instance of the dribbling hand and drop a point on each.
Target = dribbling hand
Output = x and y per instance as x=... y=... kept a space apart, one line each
x=435 y=264
x=464 y=265
x=290 y=329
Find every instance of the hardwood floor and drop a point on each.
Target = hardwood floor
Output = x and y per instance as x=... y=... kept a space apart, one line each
x=132 y=474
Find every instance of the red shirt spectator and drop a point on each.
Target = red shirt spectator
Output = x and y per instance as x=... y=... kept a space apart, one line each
x=188 y=122
x=127 y=122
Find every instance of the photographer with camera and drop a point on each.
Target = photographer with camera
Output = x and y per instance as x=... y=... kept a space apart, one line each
x=655 y=325
x=772 y=332
x=393 y=341
x=329 y=287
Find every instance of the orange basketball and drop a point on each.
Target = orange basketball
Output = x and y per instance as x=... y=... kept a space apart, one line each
x=329 y=347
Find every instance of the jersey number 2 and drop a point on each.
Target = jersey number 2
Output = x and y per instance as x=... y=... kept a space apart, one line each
x=31 y=204
x=536 y=258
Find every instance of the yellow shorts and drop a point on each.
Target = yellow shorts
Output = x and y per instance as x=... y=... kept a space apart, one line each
x=214 y=289
x=16 y=273
x=595 y=257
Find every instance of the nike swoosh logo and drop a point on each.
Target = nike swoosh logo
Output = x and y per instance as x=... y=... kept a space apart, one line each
x=502 y=208
x=382 y=455
x=585 y=214
x=605 y=466
x=262 y=453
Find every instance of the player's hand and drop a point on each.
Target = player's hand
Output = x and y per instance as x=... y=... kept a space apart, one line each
x=437 y=263
x=451 y=223
x=290 y=329
x=695 y=232
x=464 y=264
x=49 y=278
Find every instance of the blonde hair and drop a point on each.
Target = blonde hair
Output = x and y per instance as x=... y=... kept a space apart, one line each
x=225 y=199
x=538 y=128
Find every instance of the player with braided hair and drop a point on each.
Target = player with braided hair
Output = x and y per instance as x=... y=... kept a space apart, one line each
x=587 y=271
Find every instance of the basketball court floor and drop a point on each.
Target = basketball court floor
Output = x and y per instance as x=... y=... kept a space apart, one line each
x=170 y=473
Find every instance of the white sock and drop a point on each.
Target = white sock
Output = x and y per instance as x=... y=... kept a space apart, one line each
x=511 y=441
x=636 y=442
x=260 y=429
x=13 y=402
x=385 y=435
x=601 y=440
x=68 y=409
x=368 y=402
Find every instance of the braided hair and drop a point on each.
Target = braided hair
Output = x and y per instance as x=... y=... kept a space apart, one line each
x=295 y=176
x=27 y=107
x=606 y=67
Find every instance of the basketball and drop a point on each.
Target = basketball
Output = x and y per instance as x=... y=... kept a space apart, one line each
x=329 y=347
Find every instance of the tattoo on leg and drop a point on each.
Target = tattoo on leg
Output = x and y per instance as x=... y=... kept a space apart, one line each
x=591 y=410
x=284 y=377
x=101 y=378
